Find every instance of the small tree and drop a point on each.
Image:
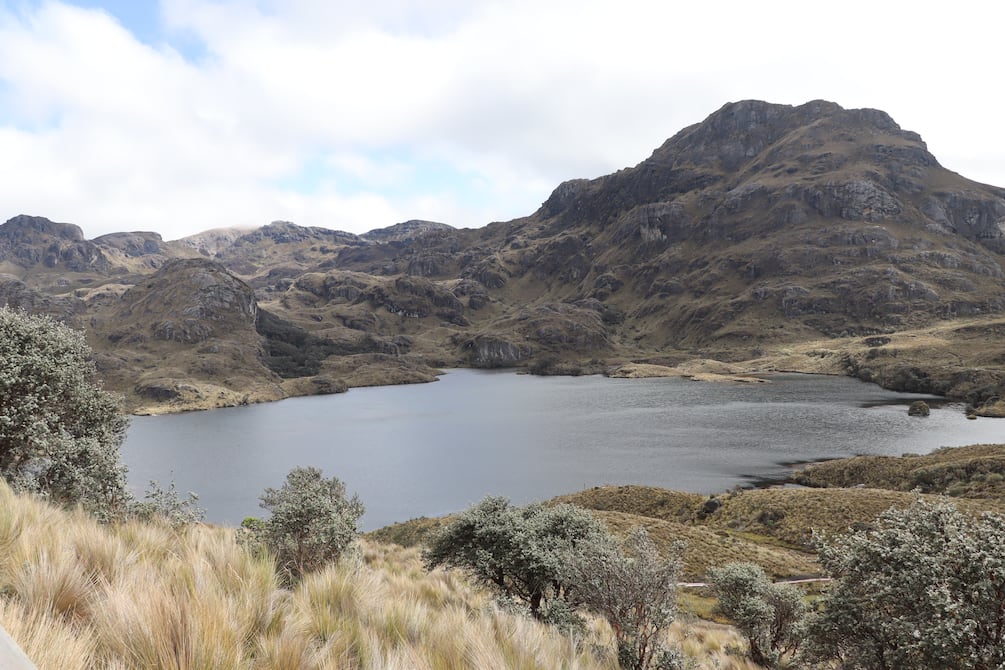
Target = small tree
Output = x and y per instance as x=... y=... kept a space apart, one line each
x=635 y=589
x=522 y=552
x=312 y=521
x=924 y=588
x=60 y=433
x=769 y=615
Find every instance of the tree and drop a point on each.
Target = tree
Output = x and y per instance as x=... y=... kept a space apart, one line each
x=923 y=588
x=635 y=589
x=60 y=433
x=522 y=552
x=312 y=521
x=769 y=615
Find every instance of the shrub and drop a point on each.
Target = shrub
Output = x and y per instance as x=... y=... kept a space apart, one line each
x=168 y=506
x=769 y=615
x=521 y=552
x=312 y=522
x=60 y=433
x=635 y=589
x=924 y=588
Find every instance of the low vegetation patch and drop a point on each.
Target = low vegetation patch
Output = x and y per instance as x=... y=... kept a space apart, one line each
x=977 y=471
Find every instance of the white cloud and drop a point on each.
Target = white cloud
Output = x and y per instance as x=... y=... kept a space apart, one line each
x=359 y=115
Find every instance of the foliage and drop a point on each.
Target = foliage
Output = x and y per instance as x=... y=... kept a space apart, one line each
x=924 y=588
x=60 y=433
x=167 y=505
x=769 y=615
x=312 y=521
x=521 y=552
x=635 y=589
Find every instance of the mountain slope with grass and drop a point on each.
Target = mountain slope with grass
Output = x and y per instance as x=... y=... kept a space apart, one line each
x=762 y=235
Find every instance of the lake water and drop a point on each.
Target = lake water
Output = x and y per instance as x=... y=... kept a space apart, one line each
x=431 y=449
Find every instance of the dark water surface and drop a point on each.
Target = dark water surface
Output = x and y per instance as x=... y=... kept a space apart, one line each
x=430 y=449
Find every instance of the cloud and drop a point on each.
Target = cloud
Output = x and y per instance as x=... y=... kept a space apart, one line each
x=359 y=115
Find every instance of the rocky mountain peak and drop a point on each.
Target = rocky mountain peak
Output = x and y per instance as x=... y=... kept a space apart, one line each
x=740 y=132
x=29 y=228
x=28 y=241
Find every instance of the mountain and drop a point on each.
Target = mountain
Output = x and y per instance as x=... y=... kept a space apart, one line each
x=809 y=237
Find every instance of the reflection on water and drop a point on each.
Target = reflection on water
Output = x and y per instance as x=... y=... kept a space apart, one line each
x=430 y=449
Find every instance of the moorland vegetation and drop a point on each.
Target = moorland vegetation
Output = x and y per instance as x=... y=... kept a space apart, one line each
x=91 y=578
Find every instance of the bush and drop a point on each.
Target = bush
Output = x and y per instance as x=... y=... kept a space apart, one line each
x=924 y=588
x=312 y=522
x=168 y=506
x=635 y=589
x=769 y=615
x=60 y=433
x=521 y=552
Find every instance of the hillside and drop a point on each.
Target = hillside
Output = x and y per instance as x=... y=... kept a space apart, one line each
x=774 y=527
x=79 y=595
x=807 y=238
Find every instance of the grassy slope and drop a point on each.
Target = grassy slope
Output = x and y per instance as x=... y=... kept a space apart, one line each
x=78 y=595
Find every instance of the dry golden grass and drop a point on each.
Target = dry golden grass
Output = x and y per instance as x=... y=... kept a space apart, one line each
x=649 y=501
x=79 y=595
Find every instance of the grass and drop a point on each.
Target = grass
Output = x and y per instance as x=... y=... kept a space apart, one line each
x=79 y=595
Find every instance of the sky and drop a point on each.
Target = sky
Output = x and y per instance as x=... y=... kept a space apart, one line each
x=179 y=116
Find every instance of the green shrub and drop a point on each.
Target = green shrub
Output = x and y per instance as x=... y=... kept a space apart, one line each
x=769 y=615
x=521 y=552
x=60 y=433
x=311 y=523
x=924 y=588
x=168 y=506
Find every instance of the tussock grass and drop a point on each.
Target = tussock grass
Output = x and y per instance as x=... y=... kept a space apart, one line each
x=79 y=595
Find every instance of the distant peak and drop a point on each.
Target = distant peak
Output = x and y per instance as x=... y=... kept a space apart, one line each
x=405 y=230
x=42 y=225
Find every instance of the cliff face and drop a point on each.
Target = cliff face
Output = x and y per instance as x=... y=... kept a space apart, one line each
x=762 y=226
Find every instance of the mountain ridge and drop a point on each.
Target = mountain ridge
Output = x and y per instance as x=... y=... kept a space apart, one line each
x=762 y=227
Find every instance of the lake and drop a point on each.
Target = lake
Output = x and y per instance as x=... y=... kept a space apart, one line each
x=431 y=449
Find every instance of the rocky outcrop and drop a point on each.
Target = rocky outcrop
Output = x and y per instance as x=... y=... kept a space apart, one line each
x=30 y=241
x=417 y=298
x=405 y=231
x=133 y=244
x=191 y=301
x=15 y=293
x=490 y=351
